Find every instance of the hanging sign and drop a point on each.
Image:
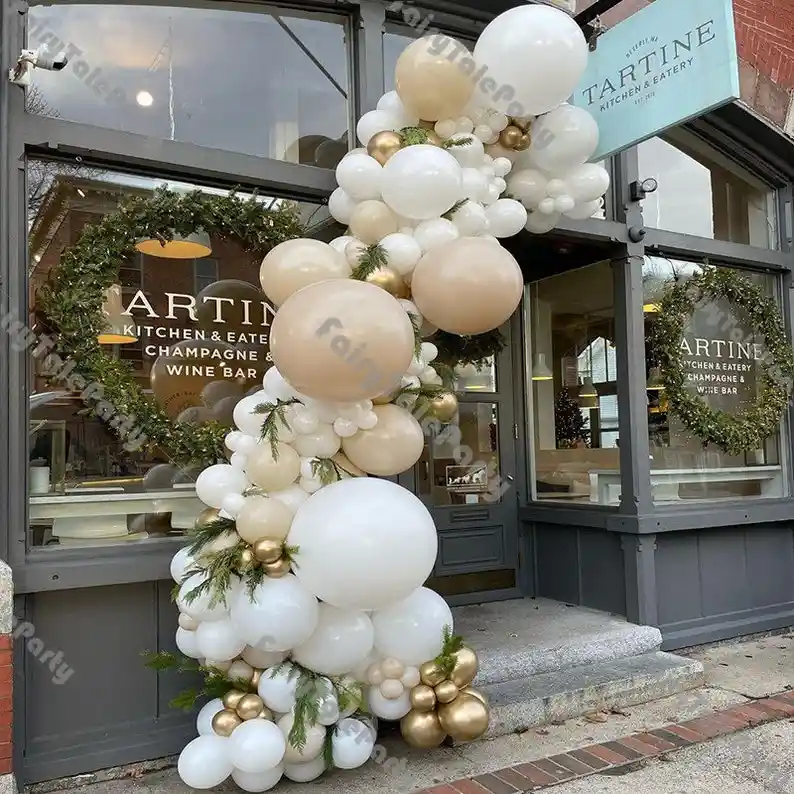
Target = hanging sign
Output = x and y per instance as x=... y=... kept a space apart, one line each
x=664 y=65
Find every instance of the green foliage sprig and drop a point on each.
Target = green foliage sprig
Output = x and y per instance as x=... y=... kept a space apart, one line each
x=202 y=535
x=372 y=258
x=445 y=661
x=758 y=419
x=70 y=304
x=275 y=417
x=457 y=351
x=326 y=470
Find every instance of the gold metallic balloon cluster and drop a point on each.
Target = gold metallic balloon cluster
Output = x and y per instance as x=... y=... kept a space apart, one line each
x=515 y=136
x=270 y=554
x=384 y=145
x=444 y=704
x=391 y=281
x=239 y=706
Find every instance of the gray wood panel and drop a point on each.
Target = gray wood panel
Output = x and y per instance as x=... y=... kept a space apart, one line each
x=472 y=549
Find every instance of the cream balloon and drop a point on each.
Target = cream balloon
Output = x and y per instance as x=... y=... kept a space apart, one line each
x=371 y=221
x=313 y=747
x=342 y=340
x=273 y=472
x=262 y=517
x=391 y=447
x=431 y=84
x=467 y=286
x=295 y=264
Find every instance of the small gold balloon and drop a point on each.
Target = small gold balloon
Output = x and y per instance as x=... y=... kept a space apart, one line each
x=423 y=698
x=268 y=550
x=224 y=722
x=524 y=143
x=422 y=729
x=464 y=719
x=466 y=666
x=232 y=699
x=444 y=407
x=265 y=714
x=387 y=279
x=431 y=674
x=207 y=516
x=247 y=558
x=446 y=692
x=277 y=569
x=250 y=706
x=384 y=145
x=255 y=678
x=510 y=136
x=475 y=693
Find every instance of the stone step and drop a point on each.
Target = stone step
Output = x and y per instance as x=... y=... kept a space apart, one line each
x=564 y=694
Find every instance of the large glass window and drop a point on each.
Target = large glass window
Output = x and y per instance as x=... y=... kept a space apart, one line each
x=271 y=83
x=574 y=409
x=721 y=355
x=185 y=320
x=704 y=193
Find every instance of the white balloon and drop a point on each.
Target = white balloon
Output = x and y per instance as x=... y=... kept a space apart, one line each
x=548 y=206
x=445 y=128
x=412 y=630
x=187 y=644
x=368 y=421
x=248 y=445
x=345 y=428
x=388 y=709
x=244 y=417
x=563 y=204
x=341 y=206
x=540 y=223
x=506 y=217
x=322 y=443
x=411 y=677
x=402 y=252
x=538 y=52
x=556 y=187
x=278 y=615
x=238 y=460
x=585 y=210
x=215 y=483
x=342 y=639
x=563 y=138
x=305 y=773
x=232 y=439
x=204 y=763
x=239 y=670
x=421 y=182
x=471 y=153
x=502 y=166
x=529 y=186
x=340 y=243
x=587 y=182
x=359 y=176
x=310 y=485
x=218 y=639
x=204 y=717
x=470 y=219
x=352 y=744
x=187 y=623
x=464 y=125
x=233 y=503
x=491 y=195
x=474 y=184
x=390 y=102
x=182 y=562
x=274 y=384
x=199 y=608
x=430 y=234
x=256 y=746
x=429 y=351
x=364 y=543
x=262 y=659
x=293 y=497
x=258 y=781
x=376 y=121
x=314 y=740
x=500 y=184
x=328 y=708
x=277 y=688
x=485 y=134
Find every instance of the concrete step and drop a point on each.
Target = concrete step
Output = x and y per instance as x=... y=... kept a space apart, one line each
x=567 y=693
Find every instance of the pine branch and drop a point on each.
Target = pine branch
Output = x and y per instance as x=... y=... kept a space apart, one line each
x=454 y=208
x=186 y=700
x=162 y=660
x=326 y=470
x=417 y=326
x=328 y=749
x=414 y=136
x=451 y=143
x=371 y=259
x=446 y=373
x=348 y=694
x=275 y=415
x=289 y=553
x=216 y=570
x=253 y=578
x=307 y=708
x=451 y=645
x=175 y=592
x=209 y=532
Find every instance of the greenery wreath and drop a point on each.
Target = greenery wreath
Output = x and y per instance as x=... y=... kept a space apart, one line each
x=70 y=304
x=753 y=424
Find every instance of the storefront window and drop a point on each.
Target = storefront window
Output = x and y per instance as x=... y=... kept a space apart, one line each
x=704 y=193
x=271 y=83
x=573 y=375
x=86 y=486
x=721 y=365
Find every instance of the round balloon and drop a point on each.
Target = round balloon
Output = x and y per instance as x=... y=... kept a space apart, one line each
x=305 y=773
x=587 y=182
x=467 y=286
x=273 y=469
x=256 y=746
x=204 y=763
x=563 y=138
x=359 y=176
x=387 y=708
x=204 y=718
x=352 y=744
x=218 y=639
x=363 y=543
x=295 y=264
x=258 y=781
x=343 y=340
x=263 y=517
x=216 y=482
x=201 y=606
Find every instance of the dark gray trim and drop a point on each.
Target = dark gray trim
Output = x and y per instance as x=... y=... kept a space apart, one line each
x=367 y=60
x=705 y=515
x=640 y=575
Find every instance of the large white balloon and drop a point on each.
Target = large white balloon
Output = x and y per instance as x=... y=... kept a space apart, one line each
x=470 y=219
x=563 y=138
x=218 y=639
x=535 y=57
x=215 y=483
x=341 y=206
x=587 y=182
x=435 y=232
x=249 y=422
x=412 y=630
x=359 y=176
x=363 y=543
x=540 y=223
x=280 y=614
x=342 y=639
x=305 y=773
x=352 y=744
x=506 y=217
x=258 y=781
x=256 y=746
x=204 y=718
x=421 y=182
x=277 y=688
x=402 y=252
x=376 y=121
x=323 y=442
x=204 y=763
x=529 y=186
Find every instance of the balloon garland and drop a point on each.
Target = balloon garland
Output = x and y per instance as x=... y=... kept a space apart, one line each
x=302 y=597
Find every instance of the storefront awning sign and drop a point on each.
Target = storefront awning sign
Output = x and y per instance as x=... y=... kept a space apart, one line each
x=666 y=64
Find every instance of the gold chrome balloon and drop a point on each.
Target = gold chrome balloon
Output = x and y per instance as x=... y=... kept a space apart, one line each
x=268 y=550
x=232 y=699
x=464 y=719
x=444 y=407
x=277 y=569
x=224 y=722
x=475 y=693
x=255 y=679
x=524 y=143
x=387 y=279
x=510 y=136
x=422 y=729
x=423 y=698
x=250 y=707
x=466 y=666
x=384 y=145
x=247 y=558
x=446 y=692
x=431 y=674
x=206 y=517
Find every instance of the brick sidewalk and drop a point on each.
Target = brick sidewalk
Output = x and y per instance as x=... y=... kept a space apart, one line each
x=592 y=760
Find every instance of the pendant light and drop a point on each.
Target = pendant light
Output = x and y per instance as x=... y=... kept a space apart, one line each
x=589 y=401
x=192 y=246
x=117 y=330
x=650 y=308
x=540 y=370
x=654 y=382
x=588 y=394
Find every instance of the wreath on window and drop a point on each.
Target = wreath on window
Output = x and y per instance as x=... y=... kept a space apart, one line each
x=758 y=419
x=70 y=304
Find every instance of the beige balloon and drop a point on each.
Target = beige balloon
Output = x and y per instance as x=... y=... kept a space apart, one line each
x=430 y=81
x=313 y=746
x=273 y=473
x=262 y=517
x=467 y=286
x=295 y=264
x=391 y=447
x=371 y=221
x=342 y=340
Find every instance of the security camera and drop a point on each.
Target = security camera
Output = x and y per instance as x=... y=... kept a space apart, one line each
x=29 y=60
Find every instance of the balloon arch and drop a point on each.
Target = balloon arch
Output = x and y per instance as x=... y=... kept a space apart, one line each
x=302 y=594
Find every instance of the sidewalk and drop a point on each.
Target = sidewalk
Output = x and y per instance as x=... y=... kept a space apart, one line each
x=739 y=678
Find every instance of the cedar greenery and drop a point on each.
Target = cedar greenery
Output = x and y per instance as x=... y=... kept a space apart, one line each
x=275 y=417
x=457 y=351
x=372 y=258
x=70 y=304
x=326 y=470
x=758 y=419
x=452 y=643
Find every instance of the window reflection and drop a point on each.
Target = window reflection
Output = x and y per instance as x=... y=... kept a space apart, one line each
x=198 y=76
